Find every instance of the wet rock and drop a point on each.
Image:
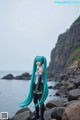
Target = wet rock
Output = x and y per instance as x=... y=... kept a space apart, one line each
x=24 y=76
x=47 y=114
x=22 y=110
x=19 y=77
x=72 y=112
x=57 y=113
x=71 y=86
x=62 y=91
x=73 y=94
x=65 y=83
x=55 y=103
x=64 y=76
x=76 y=82
x=57 y=86
x=9 y=76
x=23 y=114
x=50 y=74
x=79 y=87
x=69 y=102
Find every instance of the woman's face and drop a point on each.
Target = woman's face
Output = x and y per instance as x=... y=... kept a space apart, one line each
x=38 y=63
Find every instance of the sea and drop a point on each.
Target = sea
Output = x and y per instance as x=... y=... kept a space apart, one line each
x=13 y=92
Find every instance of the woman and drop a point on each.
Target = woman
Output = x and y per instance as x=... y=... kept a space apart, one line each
x=38 y=91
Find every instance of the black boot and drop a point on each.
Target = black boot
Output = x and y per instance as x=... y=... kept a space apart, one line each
x=42 y=112
x=35 y=117
x=37 y=113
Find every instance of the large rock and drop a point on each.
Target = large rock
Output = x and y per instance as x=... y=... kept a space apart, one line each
x=50 y=75
x=9 y=76
x=53 y=76
x=24 y=76
x=62 y=91
x=69 y=102
x=23 y=114
x=77 y=81
x=72 y=112
x=64 y=76
x=65 y=83
x=57 y=113
x=55 y=103
x=58 y=85
x=22 y=110
x=73 y=94
x=47 y=114
x=71 y=86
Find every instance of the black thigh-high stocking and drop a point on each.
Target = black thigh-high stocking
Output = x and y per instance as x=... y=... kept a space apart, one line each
x=41 y=108
x=42 y=111
x=35 y=100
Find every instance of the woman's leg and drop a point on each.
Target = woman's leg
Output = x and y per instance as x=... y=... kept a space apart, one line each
x=42 y=111
x=35 y=100
x=41 y=108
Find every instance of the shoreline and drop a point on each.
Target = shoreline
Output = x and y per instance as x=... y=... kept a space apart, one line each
x=67 y=86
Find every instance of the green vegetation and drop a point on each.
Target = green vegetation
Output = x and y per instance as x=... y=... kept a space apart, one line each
x=74 y=56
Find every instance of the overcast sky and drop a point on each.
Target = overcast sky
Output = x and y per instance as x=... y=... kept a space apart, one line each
x=29 y=28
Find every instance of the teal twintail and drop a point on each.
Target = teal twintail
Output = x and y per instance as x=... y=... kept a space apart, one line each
x=29 y=98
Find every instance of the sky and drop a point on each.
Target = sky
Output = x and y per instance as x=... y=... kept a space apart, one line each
x=29 y=28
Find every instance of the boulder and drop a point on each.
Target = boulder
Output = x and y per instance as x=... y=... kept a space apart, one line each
x=64 y=76
x=22 y=110
x=71 y=86
x=72 y=112
x=47 y=114
x=65 y=83
x=76 y=82
x=23 y=114
x=73 y=94
x=79 y=87
x=57 y=86
x=54 y=103
x=9 y=76
x=57 y=113
x=24 y=76
x=62 y=91
x=19 y=77
x=50 y=74
x=69 y=102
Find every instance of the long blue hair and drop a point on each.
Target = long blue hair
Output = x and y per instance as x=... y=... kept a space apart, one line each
x=29 y=98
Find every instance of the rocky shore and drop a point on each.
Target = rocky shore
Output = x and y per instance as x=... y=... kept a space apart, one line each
x=65 y=108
